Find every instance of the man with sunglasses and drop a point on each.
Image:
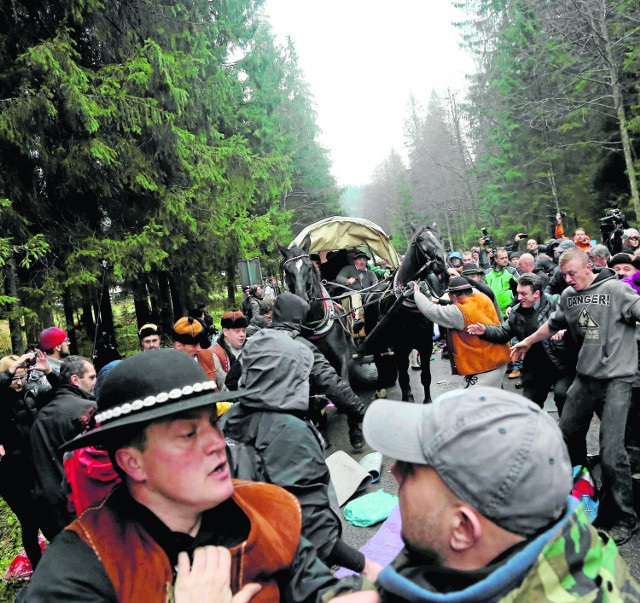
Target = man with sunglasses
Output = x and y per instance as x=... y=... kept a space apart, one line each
x=630 y=241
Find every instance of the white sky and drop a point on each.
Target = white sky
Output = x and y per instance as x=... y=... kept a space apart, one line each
x=363 y=59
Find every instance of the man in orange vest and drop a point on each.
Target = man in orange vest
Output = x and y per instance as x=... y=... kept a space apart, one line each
x=479 y=362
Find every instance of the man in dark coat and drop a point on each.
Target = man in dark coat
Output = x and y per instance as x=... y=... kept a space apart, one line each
x=272 y=418
x=550 y=363
x=289 y=315
x=66 y=416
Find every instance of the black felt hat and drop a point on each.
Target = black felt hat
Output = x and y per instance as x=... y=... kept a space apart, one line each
x=361 y=254
x=471 y=269
x=146 y=387
x=457 y=284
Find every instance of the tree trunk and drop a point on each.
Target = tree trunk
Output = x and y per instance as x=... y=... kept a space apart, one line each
x=88 y=323
x=618 y=100
x=11 y=287
x=231 y=282
x=141 y=303
x=177 y=298
x=67 y=302
x=164 y=302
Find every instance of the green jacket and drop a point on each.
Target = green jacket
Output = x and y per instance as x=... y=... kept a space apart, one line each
x=572 y=561
x=500 y=283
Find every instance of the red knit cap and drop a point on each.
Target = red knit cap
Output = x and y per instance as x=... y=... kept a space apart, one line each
x=51 y=337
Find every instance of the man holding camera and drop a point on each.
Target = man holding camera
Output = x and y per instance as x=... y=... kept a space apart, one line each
x=66 y=416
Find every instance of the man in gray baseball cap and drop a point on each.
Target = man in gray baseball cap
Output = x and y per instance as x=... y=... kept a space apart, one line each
x=484 y=487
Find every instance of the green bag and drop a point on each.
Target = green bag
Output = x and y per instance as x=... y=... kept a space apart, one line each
x=370 y=509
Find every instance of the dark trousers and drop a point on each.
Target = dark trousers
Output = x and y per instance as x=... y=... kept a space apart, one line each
x=16 y=483
x=538 y=381
x=610 y=400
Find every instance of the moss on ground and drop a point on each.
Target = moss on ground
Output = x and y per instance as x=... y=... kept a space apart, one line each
x=10 y=546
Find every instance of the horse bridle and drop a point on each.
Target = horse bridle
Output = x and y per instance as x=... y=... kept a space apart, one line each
x=431 y=261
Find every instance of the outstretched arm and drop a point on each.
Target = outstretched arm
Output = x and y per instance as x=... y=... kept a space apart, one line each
x=522 y=347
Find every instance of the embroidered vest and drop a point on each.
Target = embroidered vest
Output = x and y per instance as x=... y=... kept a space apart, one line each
x=472 y=355
x=140 y=571
x=205 y=360
x=221 y=353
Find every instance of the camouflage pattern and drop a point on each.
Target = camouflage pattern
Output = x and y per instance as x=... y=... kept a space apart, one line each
x=346 y=586
x=578 y=564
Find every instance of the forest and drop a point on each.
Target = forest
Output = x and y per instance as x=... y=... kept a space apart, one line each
x=146 y=147
x=549 y=122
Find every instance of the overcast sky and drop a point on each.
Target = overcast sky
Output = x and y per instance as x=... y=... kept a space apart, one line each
x=363 y=59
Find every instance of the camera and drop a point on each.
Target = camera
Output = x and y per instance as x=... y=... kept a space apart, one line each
x=612 y=219
x=486 y=239
x=31 y=361
x=563 y=214
x=523 y=235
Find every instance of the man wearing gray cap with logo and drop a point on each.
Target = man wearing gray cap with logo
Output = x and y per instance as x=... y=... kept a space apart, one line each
x=484 y=481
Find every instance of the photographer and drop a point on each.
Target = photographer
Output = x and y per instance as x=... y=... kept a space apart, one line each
x=17 y=412
x=487 y=250
x=612 y=227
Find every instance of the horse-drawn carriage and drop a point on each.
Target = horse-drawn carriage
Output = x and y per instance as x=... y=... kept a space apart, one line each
x=310 y=265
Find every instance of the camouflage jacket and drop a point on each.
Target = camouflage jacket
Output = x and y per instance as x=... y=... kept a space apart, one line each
x=570 y=562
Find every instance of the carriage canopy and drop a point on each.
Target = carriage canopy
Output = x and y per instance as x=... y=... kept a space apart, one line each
x=339 y=232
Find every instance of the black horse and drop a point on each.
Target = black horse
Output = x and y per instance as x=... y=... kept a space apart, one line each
x=327 y=319
x=391 y=311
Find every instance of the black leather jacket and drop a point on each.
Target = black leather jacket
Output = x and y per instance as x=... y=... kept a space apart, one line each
x=559 y=352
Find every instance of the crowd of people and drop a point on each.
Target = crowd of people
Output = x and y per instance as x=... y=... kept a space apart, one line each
x=197 y=473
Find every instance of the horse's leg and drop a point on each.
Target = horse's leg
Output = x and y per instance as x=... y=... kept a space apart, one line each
x=426 y=347
x=402 y=359
x=387 y=373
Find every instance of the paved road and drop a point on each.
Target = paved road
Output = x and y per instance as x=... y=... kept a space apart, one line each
x=442 y=381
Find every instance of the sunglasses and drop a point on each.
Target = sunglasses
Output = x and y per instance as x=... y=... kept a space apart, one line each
x=634 y=239
x=19 y=378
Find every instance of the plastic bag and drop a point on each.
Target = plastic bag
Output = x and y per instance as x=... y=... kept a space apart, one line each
x=20 y=568
x=584 y=490
x=370 y=509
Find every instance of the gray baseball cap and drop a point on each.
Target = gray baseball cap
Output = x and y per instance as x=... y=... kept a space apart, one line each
x=494 y=449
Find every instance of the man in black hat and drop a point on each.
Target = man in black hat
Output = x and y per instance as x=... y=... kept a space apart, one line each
x=479 y=362
x=356 y=276
x=149 y=335
x=178 y=528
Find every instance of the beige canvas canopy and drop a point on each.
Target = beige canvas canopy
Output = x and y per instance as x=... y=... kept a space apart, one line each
x=339 y=232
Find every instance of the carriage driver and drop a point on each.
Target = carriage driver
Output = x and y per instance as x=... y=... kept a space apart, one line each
x=357 y=277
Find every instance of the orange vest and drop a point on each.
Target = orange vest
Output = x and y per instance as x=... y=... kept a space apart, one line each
x=472 y=355
x=139 y=568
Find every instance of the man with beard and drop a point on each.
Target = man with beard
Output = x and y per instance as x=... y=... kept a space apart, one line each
x=484 y=480
x=55 y=344
x=67 y=415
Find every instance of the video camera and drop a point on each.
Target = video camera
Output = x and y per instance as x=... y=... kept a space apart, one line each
x=486 y=239
x=612 y=219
